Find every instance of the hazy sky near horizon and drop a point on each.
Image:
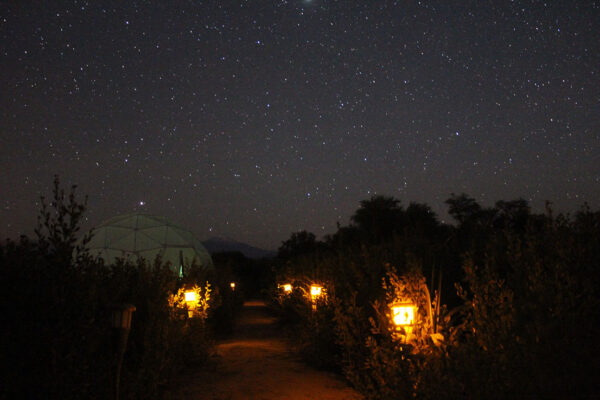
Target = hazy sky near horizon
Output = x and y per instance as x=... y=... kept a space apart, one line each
x=254 y=119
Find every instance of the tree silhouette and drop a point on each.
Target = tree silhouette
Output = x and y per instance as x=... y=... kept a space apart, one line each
x=299 y=244
x=463 y=208
x=379 y=217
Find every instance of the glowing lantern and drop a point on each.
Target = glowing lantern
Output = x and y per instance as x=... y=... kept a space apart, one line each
x=403 y=314
x=190 y=296
x=232 y=285
x=190 y=299
x=287 y=288
x=315 y=291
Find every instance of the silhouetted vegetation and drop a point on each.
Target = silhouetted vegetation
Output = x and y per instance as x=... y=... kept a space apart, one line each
x=507 y=305
x=518 y=315
x=56 y=304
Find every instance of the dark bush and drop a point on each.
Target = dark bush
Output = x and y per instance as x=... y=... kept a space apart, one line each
x=523 y=318
x=56 y=304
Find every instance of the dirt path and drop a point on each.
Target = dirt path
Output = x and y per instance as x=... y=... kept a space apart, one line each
x=257 y=364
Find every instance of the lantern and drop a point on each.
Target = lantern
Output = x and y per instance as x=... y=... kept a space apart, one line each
x=190 y=296
x=232 y=285
x=403 y=314
x=315 y=291
x=191 y=300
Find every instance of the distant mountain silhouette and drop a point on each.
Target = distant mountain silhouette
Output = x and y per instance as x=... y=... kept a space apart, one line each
x=218 y=245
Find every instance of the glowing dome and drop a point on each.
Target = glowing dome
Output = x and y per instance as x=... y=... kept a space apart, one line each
x=144 y=236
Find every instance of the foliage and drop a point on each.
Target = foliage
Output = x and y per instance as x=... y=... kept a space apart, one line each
x=522 y=321
x=56 y=304
x=223 y=312
x=199 y=306
x=531 y=314
x=299 y=244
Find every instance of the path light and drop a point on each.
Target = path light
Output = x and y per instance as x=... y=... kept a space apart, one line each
x=403 y=316
x=232 y=285
x=190 y=296
x=191 y=300
x=287 y=287
x=316 y=291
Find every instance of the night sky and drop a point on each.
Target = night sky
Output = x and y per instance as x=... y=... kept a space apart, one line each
x=255 y=119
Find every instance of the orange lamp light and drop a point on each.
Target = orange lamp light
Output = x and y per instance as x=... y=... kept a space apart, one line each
x=315 y=291
x=190 y=296
x=403 y=314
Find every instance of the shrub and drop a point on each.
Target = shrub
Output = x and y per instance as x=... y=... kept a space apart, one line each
x=55 y=309
x=524 y=320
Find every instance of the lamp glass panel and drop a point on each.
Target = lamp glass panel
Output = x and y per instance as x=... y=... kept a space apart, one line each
x=403 y=314
x=190 y=296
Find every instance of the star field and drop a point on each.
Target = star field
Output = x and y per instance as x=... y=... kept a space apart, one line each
x=255 y=119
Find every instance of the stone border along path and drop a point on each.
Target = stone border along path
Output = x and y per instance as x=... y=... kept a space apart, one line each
x=257 y=364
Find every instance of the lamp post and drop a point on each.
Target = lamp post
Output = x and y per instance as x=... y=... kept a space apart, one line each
x=121 y=323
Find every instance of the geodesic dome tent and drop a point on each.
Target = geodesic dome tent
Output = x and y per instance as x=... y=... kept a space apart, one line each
x=136 y=236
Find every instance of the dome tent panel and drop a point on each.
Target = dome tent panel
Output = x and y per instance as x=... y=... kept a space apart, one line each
x=168 y=235
x=102 y=238
x=149 y=221
x=176 y=237
x=115 y=234
x=123 y=242
x=122 y=221
x=186 y=236
x=144 y=241
x=139 y=235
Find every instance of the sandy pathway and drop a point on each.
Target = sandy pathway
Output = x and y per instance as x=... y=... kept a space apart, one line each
x=257 y=364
